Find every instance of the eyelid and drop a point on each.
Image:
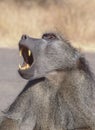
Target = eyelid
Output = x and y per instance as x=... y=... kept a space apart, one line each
x=49 y=36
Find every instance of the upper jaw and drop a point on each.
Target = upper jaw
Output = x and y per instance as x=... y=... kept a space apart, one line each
x=28 y=57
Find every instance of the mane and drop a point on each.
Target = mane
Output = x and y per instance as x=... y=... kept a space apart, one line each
x=82 y=62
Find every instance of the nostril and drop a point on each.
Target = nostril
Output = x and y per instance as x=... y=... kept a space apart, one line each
x=24 y=37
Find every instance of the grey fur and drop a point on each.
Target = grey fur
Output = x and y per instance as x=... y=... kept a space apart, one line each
x=61 y=93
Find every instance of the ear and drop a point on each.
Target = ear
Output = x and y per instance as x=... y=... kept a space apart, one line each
x=82 y=64
x=77 y=54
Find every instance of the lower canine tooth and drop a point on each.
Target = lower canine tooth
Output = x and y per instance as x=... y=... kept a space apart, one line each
x=19 y=66
x=27 y=66
x=24 y=67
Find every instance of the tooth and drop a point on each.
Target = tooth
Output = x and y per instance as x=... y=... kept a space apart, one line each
x=29 y=52
x=27 y=66
x=24 y=68
x=19 y=66
x=20 y=53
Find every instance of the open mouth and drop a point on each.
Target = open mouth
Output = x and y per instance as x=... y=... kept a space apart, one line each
x=27 y=56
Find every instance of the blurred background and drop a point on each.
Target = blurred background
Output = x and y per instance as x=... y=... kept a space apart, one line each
x=75 y=19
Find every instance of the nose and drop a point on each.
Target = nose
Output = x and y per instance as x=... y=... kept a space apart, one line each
x=24 y=37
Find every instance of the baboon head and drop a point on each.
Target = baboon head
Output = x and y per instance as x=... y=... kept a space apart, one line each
x=47 y=54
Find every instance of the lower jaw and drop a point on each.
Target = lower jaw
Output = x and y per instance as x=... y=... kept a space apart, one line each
x=24 y=74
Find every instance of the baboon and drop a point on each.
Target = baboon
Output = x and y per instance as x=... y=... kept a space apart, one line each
x=60 y=94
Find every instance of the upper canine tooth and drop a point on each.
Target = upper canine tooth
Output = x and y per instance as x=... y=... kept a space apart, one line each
x=20 y=52
x=29 y=52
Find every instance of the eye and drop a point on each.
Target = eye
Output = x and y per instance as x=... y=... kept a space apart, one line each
x=49 y=36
